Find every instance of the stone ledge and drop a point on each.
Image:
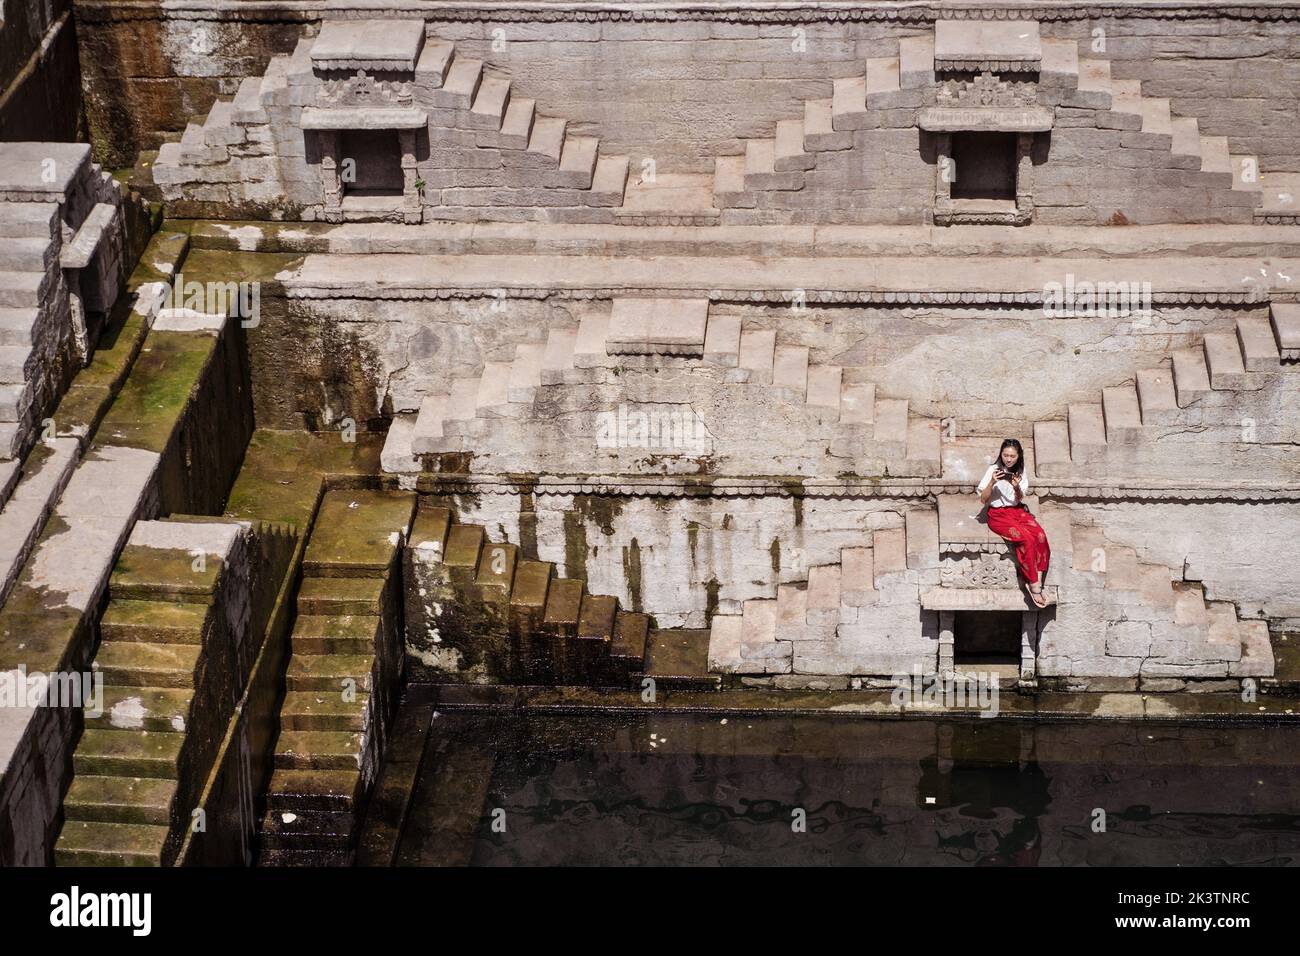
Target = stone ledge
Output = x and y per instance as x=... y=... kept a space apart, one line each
x=757 y=11
x=982 y=599
x=709 y=487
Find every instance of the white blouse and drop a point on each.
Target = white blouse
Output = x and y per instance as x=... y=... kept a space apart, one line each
x=1004 y=495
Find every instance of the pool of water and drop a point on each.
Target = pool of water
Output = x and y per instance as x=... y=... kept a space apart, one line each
x=703 y=790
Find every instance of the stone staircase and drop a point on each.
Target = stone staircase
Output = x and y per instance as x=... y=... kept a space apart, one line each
x=516 y=619
x=166 y=663
x=781 y=162
x=1186 y=633
x=857 y=616
x=34 y=318
x=341 y=680
x=648 y=331
x=1240 y=361
x=539 y=154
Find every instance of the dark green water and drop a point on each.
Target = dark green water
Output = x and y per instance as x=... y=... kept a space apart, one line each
x=685 y=790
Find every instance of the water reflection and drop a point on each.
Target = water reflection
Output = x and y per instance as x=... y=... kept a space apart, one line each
x=682 y=790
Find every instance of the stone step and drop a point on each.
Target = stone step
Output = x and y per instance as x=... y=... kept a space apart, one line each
x=557 y=357
x=891 y=427
x=461 y=84
x=14 y=402
x=16 y=364
x=789 y=148
x=882 y=81
x=297 y=790
x=1224 y=362
x=1215 y=156
x=28 y=220
x=128 y=753
x=12 y=437
x=1094 y=78
x=1285 y=319
x=1052 y=449
x=760 y=168
x=136 y=664
x=1223 y=629
x=1122 y=414
x=21 y=290
x=346 y=634
x=1126 y=96
x=924 y=447
x=516 y=125
x=596 y=618
x=328 y=672
x=525 y=375
x=137 y=800
x=495 y=574
x=1156 y=396
x=916 y=60
x=631 y=631
x=1187 y=139
x=858 y=577
x=819 y=133
x=654 y=326
x=849 y=104
x=825 y=386
x=435 y=59
x=729 y=183
x=323 y=710
x=491 y=398
x=25 y=254
x=1189 y=605
x=1059 y=65
x=589 y=349
x=490 y=103
x=464 y=548
x=397 y=456
x=303 y=838
x=858 y=403
x=1156 y=119
x=921 y=531
x=1258 y=344
x=609 y=182
x=547 y=138
x=92 y=843
x=1245 y=174
x=722 y=341
x=888 y=553
x=17 y=327
x=339 y=596
x=1191 y=377
x=247 y=108
x=154 y=622
x=319 y=750
x=673 y=199
x=790 y=370
x=577 y=163
x=1087 y=433
x=126 y=707
x=1256 y=651
x=1122 y=569
x=563 y=606
x=757 y=354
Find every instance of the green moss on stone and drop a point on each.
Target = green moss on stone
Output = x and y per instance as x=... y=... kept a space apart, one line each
x=150 y=405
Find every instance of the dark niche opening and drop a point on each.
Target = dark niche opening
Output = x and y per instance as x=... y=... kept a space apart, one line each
x=985 y=165
x=372 y=160
x=986 y=637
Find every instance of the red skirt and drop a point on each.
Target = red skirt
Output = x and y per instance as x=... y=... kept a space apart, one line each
x=1021 y=529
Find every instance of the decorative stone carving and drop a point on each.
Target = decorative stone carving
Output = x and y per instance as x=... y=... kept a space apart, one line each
x=364 y=90
x=986 y=90
x=983 y=571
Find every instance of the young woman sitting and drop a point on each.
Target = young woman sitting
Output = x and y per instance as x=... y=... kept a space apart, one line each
x=1003 y=489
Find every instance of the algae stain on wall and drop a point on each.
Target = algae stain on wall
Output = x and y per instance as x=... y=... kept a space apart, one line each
x=632 y=573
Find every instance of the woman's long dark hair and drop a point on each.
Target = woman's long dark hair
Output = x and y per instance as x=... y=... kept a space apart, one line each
x=1020 y=455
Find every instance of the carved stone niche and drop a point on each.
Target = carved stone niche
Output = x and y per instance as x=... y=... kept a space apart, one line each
x=984 y=131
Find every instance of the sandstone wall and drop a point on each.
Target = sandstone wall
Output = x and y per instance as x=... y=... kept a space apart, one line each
x=683 y=90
